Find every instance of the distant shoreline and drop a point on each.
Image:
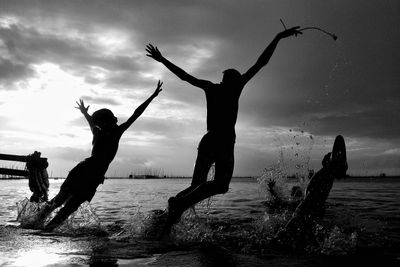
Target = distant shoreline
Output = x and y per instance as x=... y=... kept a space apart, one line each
x=127 y=178
x=237 y=177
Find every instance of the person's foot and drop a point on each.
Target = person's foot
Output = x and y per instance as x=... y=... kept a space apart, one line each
x=50 y=226
x=172 y=204
x=44 y=212
x=55 y=222
x=175 y=209
x=339 y=160
x=174 y=212
x=34 y=198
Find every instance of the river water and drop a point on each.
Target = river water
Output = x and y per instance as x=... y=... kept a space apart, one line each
x=362 y=222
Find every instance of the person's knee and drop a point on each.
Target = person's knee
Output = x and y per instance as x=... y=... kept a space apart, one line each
x=221 y=188
x=221 y=181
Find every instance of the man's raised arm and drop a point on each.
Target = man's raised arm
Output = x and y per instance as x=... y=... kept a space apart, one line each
x=154 y=53
x=266 y=55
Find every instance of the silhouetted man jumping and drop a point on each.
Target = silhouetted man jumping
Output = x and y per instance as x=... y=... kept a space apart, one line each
x=217 y=145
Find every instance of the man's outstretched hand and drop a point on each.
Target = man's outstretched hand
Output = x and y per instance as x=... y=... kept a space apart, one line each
x=153 y=52
x=289 y=32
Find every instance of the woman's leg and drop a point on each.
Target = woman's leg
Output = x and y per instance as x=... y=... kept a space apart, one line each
x=56 y=202
x=71 y=205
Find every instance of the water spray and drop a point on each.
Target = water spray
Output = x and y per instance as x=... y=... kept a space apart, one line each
x=314 y=28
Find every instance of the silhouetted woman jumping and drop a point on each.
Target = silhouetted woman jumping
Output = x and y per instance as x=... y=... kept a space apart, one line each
x=83 y=180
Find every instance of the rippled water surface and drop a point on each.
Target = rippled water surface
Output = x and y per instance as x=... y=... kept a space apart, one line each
x=371 y=205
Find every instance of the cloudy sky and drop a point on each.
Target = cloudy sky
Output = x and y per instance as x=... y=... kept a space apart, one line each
x=54 y=52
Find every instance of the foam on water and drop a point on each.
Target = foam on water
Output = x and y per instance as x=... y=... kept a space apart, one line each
x=246 y=235
x=334 y=241
x=28 y=213
x=141 y=225
x=252 y=235
x=294 y=158
x=84 y=220
x=149 y=225
x=193 y=228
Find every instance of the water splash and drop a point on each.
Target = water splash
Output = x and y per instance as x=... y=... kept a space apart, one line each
x=269 y=224
x=150 y=224
x=146 y=225
x=28 y=214
x=278 y=181
x=274 y=177
x=335 y=241
x=82 y=221
x=193 y=228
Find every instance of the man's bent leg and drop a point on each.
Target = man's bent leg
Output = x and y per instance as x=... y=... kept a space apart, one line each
x=223 y=173
x=198 y=194
x=201 y=169
x=205 y=158
x=208 y=153
x=220 y=185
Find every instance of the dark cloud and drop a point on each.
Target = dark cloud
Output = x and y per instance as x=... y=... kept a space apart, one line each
x=349 y=86
x=11 y=72
x=76 y=56
x=368 y=165
x=377 y=123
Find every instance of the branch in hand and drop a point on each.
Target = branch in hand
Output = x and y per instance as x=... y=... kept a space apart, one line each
x=289 y=32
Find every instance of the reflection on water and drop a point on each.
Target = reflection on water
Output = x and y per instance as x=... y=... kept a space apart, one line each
x=22 y=247
x=360 y=212
x=38 y=257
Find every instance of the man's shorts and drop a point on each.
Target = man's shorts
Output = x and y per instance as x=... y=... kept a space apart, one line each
x=218 y=149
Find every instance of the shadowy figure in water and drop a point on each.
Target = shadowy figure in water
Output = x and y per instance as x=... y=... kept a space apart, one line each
x=38 y=177
x=217 y=145
x=299 y=229
x=83 y=179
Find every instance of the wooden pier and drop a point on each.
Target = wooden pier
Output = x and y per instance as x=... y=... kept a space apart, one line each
x=16 y=172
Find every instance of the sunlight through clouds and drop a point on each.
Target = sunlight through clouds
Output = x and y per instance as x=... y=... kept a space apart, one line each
x=8 y=21
x=393 y=151
x=47 y=103
x=155 y=72
x=54 y=52
x=196 y=55
x=112 y=41
x=141 y=138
